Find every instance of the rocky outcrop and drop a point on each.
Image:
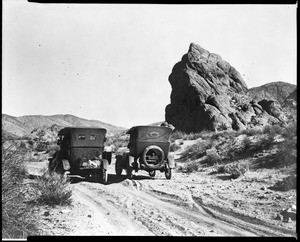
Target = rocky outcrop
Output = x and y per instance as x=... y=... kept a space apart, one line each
x=276 y=91
x=210 y=94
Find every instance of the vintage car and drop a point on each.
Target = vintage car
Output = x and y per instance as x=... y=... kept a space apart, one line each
x=148 y=150
x=81 y=154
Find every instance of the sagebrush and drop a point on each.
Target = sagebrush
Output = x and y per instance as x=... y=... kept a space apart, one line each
x=17 y=217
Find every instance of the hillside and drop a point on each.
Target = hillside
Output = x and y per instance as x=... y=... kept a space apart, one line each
x=24 y=125
x=278 y=91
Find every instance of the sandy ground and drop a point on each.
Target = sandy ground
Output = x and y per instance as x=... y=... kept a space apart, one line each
x=195 y=204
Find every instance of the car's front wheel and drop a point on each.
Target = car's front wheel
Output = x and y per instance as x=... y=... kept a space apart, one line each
x=168 y=172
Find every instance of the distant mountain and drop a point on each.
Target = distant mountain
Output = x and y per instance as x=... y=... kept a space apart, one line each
x=26 y=125
x=277 y=91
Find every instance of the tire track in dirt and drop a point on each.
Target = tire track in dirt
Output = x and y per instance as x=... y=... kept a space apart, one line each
x=229 y=219
x=162 y=216
x=113 y=220
x=162 y=211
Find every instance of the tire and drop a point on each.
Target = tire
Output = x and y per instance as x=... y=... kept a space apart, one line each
x=129 y=171
x=118 y=168
x=152 y=173
x=104 y=176
x=158 y=151
x=168 y=172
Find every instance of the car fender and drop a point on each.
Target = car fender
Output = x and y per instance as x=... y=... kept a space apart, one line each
x=171 y=160
x=66 y=164
x=105 y=164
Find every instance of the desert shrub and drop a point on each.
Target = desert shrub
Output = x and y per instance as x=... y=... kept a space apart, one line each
x=174 y=147
x=26 y=137
x=221 y=169
x=177 y=135
x=17 y=218
x=188 y=136
x=252 y=131
x=286 y=184
x=30 y=142
x=197 y=150
x=262 y=143
x=117 y=141
x=236 y=170
x=22 y=145
x=41 y=146
x=53 y=189
x=290 y=131
x=191 y=166
x=227 y=134
x=287 y=154
x=246 y=144
x=212 y=157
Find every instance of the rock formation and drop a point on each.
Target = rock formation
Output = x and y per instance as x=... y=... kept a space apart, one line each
x=209 y=94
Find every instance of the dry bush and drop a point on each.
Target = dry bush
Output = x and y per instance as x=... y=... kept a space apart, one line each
x=117 y=141
x=212 y=157
x=53 y=189
x=205 y=134
x=287 y=152
x=236 y=170
x=286 y=184
x=174 y=147
x=17 y=218
x=197 y=150
x=191 y=167
x=252 y=132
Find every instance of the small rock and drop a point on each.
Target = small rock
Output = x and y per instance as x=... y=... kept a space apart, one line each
x=263 y=188
x=65 y=211
x=279 y=217
x=287 y=220
x=288 y=213
x=46 y=213
x=89 y=216
x=107 y=213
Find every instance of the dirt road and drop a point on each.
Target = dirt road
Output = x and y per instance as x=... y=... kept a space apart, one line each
x=188 y=205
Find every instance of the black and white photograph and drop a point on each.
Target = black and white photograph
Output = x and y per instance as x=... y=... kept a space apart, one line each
x=148 y=120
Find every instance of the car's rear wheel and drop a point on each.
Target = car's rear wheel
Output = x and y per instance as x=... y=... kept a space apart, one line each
x=118 y=168
x=152 y=173
x=168 y=172
x=104 y=176
x=129 y=171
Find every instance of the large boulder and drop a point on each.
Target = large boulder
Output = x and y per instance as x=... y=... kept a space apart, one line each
x=209 y=94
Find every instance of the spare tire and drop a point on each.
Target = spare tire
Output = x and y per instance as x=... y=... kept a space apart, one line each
x=153 y=157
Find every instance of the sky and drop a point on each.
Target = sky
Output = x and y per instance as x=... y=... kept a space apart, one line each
x=111 y=62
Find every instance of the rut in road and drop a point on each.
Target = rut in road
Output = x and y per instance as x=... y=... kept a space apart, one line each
x=136 y=210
